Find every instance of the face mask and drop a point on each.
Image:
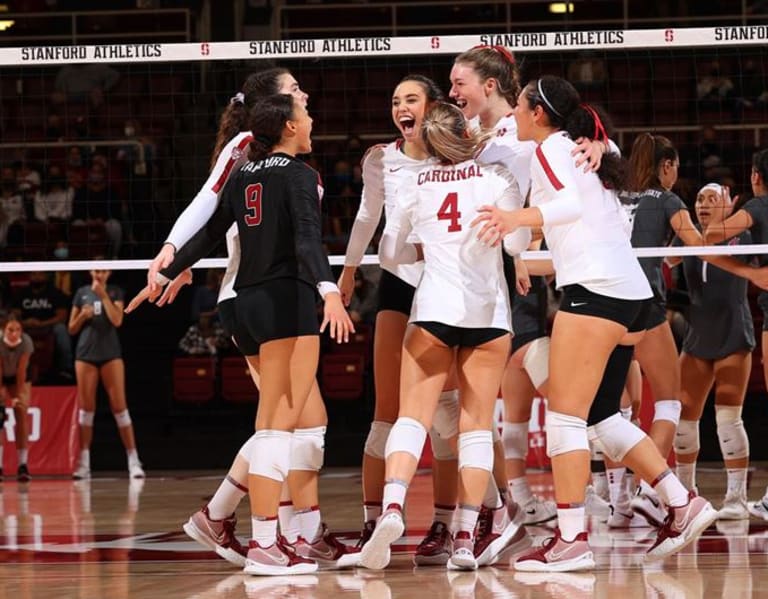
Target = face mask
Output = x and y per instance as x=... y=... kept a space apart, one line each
x=61 y=253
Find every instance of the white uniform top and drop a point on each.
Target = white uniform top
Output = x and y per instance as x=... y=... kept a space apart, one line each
x=201 y=208
x=584 y=225
x=385 y=167
x=463 y=283
x=506 y=149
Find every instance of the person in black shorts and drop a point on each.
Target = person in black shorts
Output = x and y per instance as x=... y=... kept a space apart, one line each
x=97 y=312
x=275 y=202
x=16 y=348
x=717 y=350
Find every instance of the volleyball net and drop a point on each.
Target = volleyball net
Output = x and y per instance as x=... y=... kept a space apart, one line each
x=103 y=146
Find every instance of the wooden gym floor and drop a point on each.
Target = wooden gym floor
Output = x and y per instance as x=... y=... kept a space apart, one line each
x=114 y=539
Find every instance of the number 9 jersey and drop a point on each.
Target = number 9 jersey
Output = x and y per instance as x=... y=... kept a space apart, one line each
x=463 y=283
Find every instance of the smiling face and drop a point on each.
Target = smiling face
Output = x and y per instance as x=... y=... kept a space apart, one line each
x=711 y=206
x=468 y=91
x=289 y=85
x=409 y=103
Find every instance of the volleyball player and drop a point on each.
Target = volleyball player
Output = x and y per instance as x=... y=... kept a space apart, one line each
x=603 y=291
x=274 y=201
x=97 y=313
x=717 y=349
x=16 y=348
x=753 y=216
x=659 y=214
x=485 y=85
x=213 y=525
x=460 y=309
x=385 y=167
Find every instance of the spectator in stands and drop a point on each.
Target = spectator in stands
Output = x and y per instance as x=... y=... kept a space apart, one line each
x=100 y=206
x=587 y=71
x=714 y=89
x=54 y=204
x=54 y=127
x=206 y=337
x=16 y=347
x=752 y=89
x=11 y=203
x=42 y=309
x=75 y=81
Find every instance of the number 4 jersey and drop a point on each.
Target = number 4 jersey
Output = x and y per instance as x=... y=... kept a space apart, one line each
x=463 y=283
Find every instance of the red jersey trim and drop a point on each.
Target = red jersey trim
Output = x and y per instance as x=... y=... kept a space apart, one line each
x=236 y=153
x=548 y=169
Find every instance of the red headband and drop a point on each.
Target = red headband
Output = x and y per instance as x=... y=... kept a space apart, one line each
x=599 y=129
x=505 y=54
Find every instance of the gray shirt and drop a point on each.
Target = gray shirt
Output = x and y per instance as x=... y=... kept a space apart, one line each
x=98 y=340
x=650 y=212
x=719 y=320
x=10 y=356
x=757 y=208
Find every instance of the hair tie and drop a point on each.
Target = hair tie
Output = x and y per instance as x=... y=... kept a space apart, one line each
x=599 y=128
x=505 y=54
x=546 y=101
x=263 y=140
x=238 y=98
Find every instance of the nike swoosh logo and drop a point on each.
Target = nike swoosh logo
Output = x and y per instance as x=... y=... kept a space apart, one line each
x=576 y=304
x=328 y=553
x=556 y=555
x=394 y=170
x=531 y=511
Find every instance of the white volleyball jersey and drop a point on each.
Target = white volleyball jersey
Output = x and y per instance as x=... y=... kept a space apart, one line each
x=506 y=149
x=463 y=283
x=584 y=225
x=385 y=168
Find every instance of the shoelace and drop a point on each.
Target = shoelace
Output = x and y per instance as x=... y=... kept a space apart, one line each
x=434 y=536
x=484 y=523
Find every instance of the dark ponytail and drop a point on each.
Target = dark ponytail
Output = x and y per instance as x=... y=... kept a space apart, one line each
x=234 y=119
x=593 y=123
x=268 y=118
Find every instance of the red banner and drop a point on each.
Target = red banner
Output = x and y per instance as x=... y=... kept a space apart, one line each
x=53 y=432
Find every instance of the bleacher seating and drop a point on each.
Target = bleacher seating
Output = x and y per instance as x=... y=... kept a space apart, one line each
x=194 y=379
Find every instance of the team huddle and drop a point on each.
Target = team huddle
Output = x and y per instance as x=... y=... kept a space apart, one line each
x=467 y=188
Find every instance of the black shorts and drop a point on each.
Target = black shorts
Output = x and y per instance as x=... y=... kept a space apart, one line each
x=97 y=363
x=461 y=336
x=275 y=309
x=580 y=300
x=656 y=314
x=395 y=294
x=523 y=339
x=227 y=318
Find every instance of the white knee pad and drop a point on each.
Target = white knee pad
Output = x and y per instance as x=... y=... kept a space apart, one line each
x=616 y=435
x=515 y=439
x=734 y=443
x=308 y=448
x=85 y=418
x=565 y=433
x=476 y=450
x=442 y=448
x=271 y=454
x=446 y=420
x=667 y=409
x=687 y=437
x=123 y=418
x=376 y=442
x=247 y=448
x=407 y=435
x=536 y=361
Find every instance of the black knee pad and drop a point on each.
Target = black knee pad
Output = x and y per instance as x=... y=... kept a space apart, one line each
x=608 y=397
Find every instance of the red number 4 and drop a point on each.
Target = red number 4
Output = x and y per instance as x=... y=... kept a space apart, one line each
x=450 y=211
x=253 y=205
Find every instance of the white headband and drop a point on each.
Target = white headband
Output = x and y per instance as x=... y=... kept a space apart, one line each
x=716 y=187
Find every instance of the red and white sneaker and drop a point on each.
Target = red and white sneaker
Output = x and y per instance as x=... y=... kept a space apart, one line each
x=376 y=552
x=366 y=533
x=327 y=551
x=683 y=525
x=557 y=555
x=497 y=530
x=218 y=535
x=435 y=548
x=276 y=560
x=649 y=507
x=463 y=556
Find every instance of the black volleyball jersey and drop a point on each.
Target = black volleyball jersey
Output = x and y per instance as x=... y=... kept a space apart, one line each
x=276 y=205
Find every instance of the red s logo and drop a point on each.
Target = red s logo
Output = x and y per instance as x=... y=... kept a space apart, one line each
x=205 y=49
x=435 y=43
x=669 y=35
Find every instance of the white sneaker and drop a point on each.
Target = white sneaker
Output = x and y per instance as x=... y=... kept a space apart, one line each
x=734 y=507
x=759 y=508
x=538 y=510
x=81 y=472
x=376 y=553
x=135 y=470
x=595 y=506
x=649 y=508
x=619 y=519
